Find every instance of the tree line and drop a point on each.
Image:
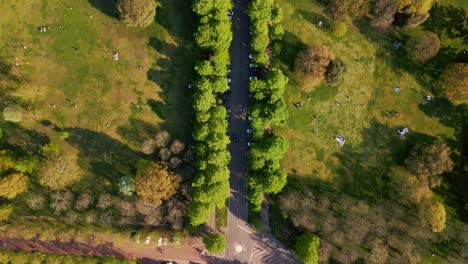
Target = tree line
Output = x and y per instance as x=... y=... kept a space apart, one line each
x=268 y=108
x=213 y=36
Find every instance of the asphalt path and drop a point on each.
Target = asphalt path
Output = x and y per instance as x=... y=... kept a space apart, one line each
x=243 y=244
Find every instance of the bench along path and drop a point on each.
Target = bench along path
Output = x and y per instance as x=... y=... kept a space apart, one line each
x=241 y=239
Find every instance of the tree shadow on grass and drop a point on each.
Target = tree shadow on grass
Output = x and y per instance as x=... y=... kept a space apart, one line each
x=447 y=20
x=21 y=140
x=291 y=45
x=105 y=6
x=177 y=17
x=137 y=130
x=316 y=18
x=363 y=170
x=173 y=74
x=107 y=157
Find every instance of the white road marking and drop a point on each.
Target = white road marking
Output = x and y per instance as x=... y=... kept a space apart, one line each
x=246 y=230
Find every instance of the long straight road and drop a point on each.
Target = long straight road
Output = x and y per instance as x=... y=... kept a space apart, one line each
x=239 y=240
x=243 y=244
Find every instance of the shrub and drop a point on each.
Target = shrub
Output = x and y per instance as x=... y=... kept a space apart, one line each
x=126 y=185
x=13 y=184
x=339 y=29
x=137 y=12
x=83 y=202
x=165 y=154
x=104 y=201
x=61 y=201
x=335 y=72
x=35 y=201
x=5 y=211
x=423 y=46
x=307 y=246
x=126 y=208
x=174 y=162
x=214 y=243
x=177 y=146
x=162 y=139
x=13 y=114
x=148 y=146
x=453 y=83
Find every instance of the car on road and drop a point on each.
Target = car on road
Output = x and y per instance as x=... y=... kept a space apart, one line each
x=229 y=87
x=229 y=68
x=253 y=78
x=253 y=65
x=249 y=117
x=229 y=80
x=190 y=86
x=250 y=56
x=249 y=131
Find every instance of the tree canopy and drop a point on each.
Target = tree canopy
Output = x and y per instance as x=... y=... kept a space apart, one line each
x=214 y=243
x=59 y=171
x=433 y=215
x=307 y=246
x=423 y=46
x=136 y=12
x=453 y=83
x=155 y=184
x=13 y=184
x=430 y=161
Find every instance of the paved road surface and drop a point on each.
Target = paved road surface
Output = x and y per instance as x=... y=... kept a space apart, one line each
x=244 y=245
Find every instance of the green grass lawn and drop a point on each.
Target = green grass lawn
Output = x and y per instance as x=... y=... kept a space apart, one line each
x=364 y=96
x=357 y=110
x=221 y=217
x=118 y=106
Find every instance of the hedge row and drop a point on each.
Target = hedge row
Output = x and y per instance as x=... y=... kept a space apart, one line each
x=211 y=181
x=268 y=107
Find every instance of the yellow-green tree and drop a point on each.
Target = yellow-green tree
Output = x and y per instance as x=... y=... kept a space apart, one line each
x=59 y=172
x=6 y=160
x=307 y=246
x=453 y=83
x=13 y=184
x=155 y=184
x=137 y=12
x=433 y=215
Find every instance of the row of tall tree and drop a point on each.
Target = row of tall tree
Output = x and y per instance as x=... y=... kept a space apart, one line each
x=268 y=108
x=211 y=181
